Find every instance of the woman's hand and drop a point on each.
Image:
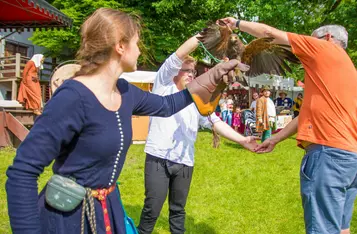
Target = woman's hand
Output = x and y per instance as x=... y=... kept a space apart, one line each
x=250 y=143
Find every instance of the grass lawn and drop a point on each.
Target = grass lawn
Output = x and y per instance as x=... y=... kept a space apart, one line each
x=232 y=191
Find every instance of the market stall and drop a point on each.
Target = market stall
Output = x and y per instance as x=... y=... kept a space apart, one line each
x=277 y=83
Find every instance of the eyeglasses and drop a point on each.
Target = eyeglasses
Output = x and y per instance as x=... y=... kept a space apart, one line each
x=324 y=36
x=193 y=72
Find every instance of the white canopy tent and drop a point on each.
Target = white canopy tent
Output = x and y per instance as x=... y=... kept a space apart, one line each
x=139 y=76
x=274 y=81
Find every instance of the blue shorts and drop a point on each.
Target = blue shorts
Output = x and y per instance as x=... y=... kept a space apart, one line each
x=328 y=187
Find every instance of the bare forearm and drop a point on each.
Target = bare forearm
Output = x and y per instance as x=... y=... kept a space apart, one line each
x=227 y=132
x=187 y=47
x=288 y=131
x=260 y=30
x=255 y=29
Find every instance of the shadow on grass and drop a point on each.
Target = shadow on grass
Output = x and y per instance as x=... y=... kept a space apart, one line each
x=200 y=227
x=163 y=223
x=204 y=130
x=232 y=145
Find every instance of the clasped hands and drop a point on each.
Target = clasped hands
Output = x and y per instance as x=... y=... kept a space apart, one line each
x=251 y=144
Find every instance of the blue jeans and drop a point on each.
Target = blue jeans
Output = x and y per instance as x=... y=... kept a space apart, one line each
x=227 y=117
x=328 y=187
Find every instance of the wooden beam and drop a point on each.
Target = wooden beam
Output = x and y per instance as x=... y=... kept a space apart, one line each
x=5 y=139
x=8 y=79
x=15 y=126
x=18 y=65
x=8 y=71
x=8 y=65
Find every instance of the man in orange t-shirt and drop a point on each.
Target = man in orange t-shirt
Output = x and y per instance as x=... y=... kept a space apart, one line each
x=326 y=127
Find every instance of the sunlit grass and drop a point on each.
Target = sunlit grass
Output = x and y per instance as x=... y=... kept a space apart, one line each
x=232 y=191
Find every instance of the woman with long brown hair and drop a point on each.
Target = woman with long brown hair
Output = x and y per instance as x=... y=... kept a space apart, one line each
x=30 y=89
x=86 y=128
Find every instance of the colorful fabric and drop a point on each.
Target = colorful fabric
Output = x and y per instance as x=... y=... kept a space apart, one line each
x=262 y=114
x=30 y=90
x=237 y=119
x=265 y=112
x=297 y=104
x=101 y=195
x=328 y=116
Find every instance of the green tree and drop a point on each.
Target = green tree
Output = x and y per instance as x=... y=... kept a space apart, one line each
x=64 y=43
x=166 y=23
x=346 y=14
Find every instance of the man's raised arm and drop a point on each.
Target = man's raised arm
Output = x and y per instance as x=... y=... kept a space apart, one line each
x=258 y=30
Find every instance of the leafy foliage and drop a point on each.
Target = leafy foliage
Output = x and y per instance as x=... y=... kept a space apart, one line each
x=64 y=43
x=167 y=24
x=346 y=15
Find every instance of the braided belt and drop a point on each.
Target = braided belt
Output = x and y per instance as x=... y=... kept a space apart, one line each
x=89 y=210
x=101 y=195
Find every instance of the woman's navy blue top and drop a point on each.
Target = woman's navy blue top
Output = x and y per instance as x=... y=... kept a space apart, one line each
x=87 y=142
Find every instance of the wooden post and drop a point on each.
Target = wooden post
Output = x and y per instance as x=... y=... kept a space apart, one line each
x=249 y=92
x=13 y=90
x=18 y=65
x=17 y=75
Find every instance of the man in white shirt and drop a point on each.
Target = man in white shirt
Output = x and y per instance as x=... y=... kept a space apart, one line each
x=170 y=144
x=253 y=106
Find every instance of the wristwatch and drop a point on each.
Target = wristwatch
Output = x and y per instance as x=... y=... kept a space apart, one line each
x=237 y=23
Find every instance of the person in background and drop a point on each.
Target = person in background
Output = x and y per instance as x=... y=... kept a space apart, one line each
x=29 y=94
x=297 y=105
x=283 y=101
x=237 y=119
x=229 y=102
x=253 y=105
x=266 y=114
x=223 y=106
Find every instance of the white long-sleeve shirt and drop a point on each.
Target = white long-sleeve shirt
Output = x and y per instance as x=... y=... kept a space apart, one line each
x=173 y=138
x=271 y=110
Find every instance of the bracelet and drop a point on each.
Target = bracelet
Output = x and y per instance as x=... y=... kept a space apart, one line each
x=237 y=23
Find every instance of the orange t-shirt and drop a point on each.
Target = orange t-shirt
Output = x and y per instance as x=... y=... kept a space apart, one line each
x=328 y=115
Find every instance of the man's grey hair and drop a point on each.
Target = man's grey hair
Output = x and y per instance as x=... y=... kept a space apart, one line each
x=338 y=33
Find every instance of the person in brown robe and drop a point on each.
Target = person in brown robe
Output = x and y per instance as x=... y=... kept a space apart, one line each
x=30 y=90
x=266 y=114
